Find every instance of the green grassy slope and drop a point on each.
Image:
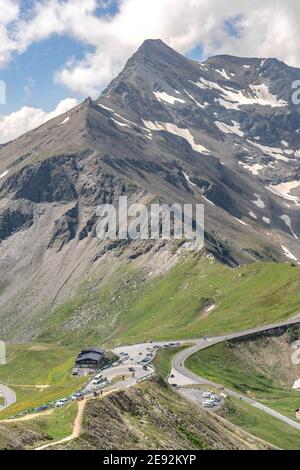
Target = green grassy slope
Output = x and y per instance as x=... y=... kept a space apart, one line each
x=39 y=374
x=222 y=365
x=38 y=431
x=250 y=419
x=130 y=308
x=261 y=425
x=163 y=360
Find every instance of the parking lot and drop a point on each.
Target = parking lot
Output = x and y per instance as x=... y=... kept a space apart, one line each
x=208 y=399
x=133 y=365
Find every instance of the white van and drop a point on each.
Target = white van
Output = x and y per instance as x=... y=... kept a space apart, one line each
x=207 y=394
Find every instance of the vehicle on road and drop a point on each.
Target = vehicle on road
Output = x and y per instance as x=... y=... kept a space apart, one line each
x=216 y=398
x=60 y=403
x=207 y=404
x=97 y=381
x=41 y=408
x=102 y=385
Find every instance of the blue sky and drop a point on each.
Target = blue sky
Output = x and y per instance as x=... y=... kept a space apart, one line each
x=29 y=77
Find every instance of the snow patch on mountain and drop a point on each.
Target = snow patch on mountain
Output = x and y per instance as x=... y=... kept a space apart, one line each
x=288 y=254
x=227 y=129
x=274 y=152
x=259 y=202
x=231 y=98
x=207 y=200
x=254 y=169
x=266 y=220
x=188 y=179
x=252 y=215
x=283 y=190
x=4 y=174
x=265 y=98
x=163 y=96
x=288 y=222
x=106 y=107
x=203 y=106
x=65 y=120
x=240 y=221
x=180 y=132
x=121 y=124
x=223 y=73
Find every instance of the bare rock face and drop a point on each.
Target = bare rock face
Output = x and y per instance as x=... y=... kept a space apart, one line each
x=223 y=133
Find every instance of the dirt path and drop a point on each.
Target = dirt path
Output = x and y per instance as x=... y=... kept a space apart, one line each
x=76 y=428
x=27 y=417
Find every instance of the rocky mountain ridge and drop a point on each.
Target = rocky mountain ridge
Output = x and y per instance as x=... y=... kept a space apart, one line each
x=223 y=133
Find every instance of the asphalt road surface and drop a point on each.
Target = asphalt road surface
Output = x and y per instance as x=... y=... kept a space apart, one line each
x=135 y=356
x=182 y=376
x=140 y=355
x=9 y=397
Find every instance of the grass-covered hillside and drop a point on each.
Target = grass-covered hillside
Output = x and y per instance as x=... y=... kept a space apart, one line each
x=196 y=297
x=261 y=368
x=39 y=374
x=261 y=425
x=152 y=416
x=42 y=429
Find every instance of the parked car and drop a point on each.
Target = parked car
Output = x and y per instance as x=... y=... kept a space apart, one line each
x=216 y=398
x=41 y=408
x=207 y=404
x=60 y=403
x=97 y=381
x=102 y=385
x=207 y=395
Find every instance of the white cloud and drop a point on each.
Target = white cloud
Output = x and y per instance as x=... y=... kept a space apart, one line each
x=27 y=118
x=266 y=29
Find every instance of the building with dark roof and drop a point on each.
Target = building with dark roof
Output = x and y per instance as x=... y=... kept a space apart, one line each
x=91 y=358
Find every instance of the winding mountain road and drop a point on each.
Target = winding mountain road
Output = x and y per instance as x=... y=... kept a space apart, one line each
x=182 y=376
x=9 y=396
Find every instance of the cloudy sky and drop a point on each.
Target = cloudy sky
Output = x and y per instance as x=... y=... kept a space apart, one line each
x=54 y=53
